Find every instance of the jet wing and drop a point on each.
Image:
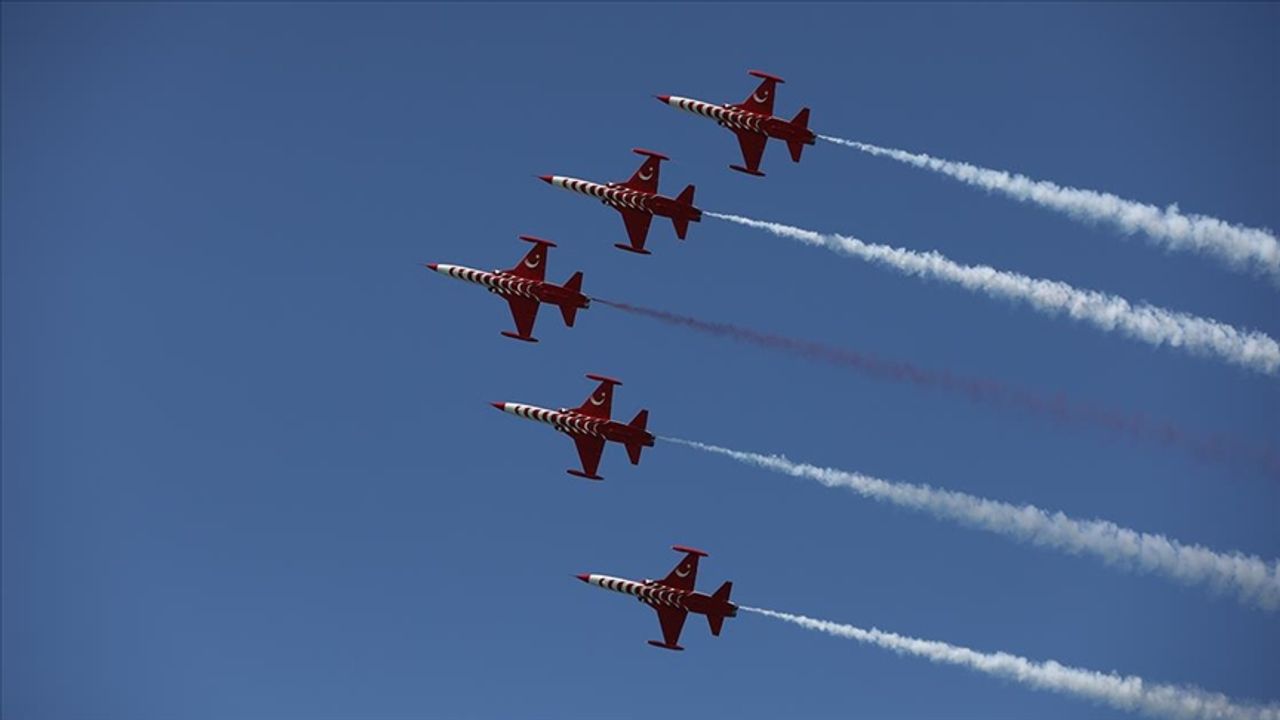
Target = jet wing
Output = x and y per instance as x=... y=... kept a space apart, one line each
x=685 y=574
x=672 y=622
x=524 y=311
x=599 y=404
x=534 y=264
x=752 y=145
x=645 y=178
x=637 y=228
x=590 y=448
x=761 y=101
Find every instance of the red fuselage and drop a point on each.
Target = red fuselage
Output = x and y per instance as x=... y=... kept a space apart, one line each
x=623 y=198
x=508 y=285
x=739 y=119
x=575 y=423
x=659 y=595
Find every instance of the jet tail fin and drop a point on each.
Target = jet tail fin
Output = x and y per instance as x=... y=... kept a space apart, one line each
x=716 y=622
x=681 y=222
x=686 y=196
x=723 y=592
x=640 y=421
x=573 y=285
x=800 y=121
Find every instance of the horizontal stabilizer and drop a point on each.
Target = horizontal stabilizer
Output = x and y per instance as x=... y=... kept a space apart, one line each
x=570 y=313
x=716 y=622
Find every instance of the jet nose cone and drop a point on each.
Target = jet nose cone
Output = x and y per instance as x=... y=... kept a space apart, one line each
x=431 y=266
x=499 y=405
x=545 y=178
x=584 y=577
x=665 y=99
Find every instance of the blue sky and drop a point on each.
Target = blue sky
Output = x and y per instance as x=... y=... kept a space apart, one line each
x=250 y=469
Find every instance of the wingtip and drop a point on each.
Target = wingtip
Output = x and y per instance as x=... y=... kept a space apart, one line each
x=664 y=99
x=429 y=266
x=545 y=178
x=584 y=577
x=500 y=405
x=690 y=550
x=650 y=153
x=765 y=76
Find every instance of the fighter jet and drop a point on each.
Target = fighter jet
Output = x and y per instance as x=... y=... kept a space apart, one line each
x=524 y=289
x=673 y=597
x=753 y=121
x=589 y=426
x=638 y=200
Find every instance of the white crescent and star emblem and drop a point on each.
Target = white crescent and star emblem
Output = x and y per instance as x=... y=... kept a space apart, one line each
x=682 y=571
x=532 y=262
x=760 y=96
x=644 y=175
x=598 y=400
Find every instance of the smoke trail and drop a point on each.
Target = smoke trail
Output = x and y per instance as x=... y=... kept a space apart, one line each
x=1123 y=692
x=1251 y=578
x=1240 y=247
x=1153 y=325
x=981 y=391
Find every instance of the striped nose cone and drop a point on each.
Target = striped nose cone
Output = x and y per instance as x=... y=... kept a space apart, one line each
x=545 y=178
x=664 y=99
x=500 y=405
x=431 y=266
x=584 y=577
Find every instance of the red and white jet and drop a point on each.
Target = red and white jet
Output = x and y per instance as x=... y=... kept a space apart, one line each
x=638 y=200
x=673 y=597
x=524 y=289
x=589 y=426
x=753 y=121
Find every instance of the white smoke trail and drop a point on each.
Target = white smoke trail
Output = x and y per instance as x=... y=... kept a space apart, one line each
x=1153 y=325
x=1252 y=579
x=1123 y=692
x=1240 y=247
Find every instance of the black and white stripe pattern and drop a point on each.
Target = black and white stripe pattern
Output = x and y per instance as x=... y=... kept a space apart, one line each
x=726 y=116
x=497 y=282
x=615 y=196
x=563 y=421
x=650 y=592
